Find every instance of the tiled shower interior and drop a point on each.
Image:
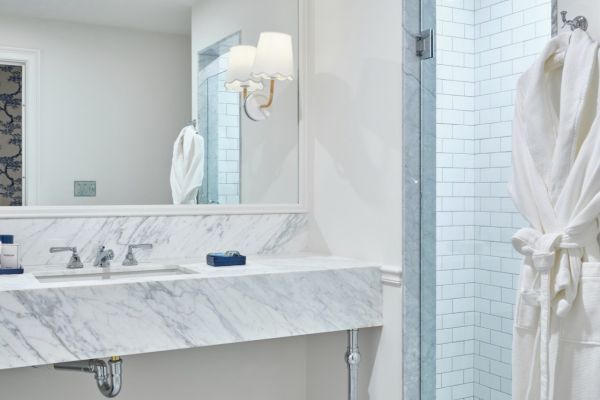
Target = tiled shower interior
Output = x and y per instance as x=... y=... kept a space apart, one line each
x=219 y=124
x=482 y=48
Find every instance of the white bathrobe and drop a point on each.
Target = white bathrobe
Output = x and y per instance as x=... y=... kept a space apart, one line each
x=187 y=166
x=556 y=186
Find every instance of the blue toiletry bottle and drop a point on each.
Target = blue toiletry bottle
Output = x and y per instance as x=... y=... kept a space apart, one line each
x=6 y=270
x=5 y=239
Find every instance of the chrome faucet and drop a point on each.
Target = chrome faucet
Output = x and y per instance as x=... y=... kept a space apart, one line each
x=103 y=257
x=75 y=261
x=130 y=257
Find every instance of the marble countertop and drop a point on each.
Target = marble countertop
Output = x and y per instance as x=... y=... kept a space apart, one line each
x=271 y=297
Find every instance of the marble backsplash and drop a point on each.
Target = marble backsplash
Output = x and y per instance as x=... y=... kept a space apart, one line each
x=174 y=238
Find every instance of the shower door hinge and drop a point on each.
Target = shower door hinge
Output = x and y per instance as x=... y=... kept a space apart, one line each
x=425 y=44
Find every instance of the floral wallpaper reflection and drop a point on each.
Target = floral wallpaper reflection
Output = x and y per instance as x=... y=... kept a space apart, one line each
x=11 y=143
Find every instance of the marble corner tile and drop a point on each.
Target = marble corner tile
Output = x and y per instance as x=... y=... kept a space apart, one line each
x=419 y=194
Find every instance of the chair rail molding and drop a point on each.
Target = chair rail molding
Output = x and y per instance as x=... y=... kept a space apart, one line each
x=391 y=275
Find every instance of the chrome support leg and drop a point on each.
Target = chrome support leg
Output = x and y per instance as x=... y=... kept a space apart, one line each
x=352 y=359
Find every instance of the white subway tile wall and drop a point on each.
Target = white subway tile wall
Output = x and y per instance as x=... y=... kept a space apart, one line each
x=229 y=140
x=482 y=48
x=455 y=202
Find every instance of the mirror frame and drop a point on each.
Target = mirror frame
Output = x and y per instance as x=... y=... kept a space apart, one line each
x=32 y=120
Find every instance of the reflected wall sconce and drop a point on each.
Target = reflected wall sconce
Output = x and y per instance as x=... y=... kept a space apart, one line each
x=239 y=76
x=272 y=60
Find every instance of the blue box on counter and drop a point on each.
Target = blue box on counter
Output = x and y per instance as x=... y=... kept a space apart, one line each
x=7 y=239
x=227 y=259
x=11 y=271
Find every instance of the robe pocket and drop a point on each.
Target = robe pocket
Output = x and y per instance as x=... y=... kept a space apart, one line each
x=582 y=323
x=526 y=315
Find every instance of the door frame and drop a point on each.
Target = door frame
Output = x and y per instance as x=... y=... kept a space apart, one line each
x=30 y=60
x=419 y=205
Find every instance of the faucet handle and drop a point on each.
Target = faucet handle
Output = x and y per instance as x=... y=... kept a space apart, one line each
x=140 y=246
x=75 y=261
x=130 y=259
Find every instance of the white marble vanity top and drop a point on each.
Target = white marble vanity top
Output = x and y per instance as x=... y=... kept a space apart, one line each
x=271 y=297
x=259 y=265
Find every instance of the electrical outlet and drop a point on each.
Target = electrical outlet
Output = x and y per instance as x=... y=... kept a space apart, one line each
x=85 y=189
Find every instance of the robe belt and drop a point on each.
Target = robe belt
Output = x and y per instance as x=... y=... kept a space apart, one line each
x=542 y=253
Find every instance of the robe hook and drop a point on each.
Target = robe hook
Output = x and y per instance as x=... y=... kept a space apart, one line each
x=579 y=22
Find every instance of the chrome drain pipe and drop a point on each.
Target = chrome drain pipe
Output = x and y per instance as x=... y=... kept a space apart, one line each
x=109 y=377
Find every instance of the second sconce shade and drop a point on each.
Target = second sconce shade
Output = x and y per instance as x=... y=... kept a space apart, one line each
x=274 y=57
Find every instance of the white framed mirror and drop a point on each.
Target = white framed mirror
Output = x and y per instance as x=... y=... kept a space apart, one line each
x=116 y=108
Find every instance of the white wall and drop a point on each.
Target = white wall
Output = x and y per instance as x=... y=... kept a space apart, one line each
x=269 y=148
x=455 y=303
x=355 y=119
x=355 y=125
x=267 y=370
x=588 y=8
x=112 y=103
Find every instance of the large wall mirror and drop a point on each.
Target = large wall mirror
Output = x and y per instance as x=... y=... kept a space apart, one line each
x=148 y=103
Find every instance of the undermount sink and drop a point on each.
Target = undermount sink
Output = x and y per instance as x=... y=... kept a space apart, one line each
x=110 y=274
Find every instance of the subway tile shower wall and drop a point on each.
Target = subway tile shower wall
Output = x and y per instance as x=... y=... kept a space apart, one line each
x=483 y=47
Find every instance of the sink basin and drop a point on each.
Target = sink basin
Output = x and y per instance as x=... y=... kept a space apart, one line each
x=110 y=274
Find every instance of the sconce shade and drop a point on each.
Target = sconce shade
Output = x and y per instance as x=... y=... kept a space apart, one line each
x=274 y=57
x=239 y=74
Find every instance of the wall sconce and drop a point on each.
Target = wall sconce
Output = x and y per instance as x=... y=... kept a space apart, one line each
x=239 y=76
x=273 y=60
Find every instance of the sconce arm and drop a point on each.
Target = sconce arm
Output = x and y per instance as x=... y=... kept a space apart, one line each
x=271 y=95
